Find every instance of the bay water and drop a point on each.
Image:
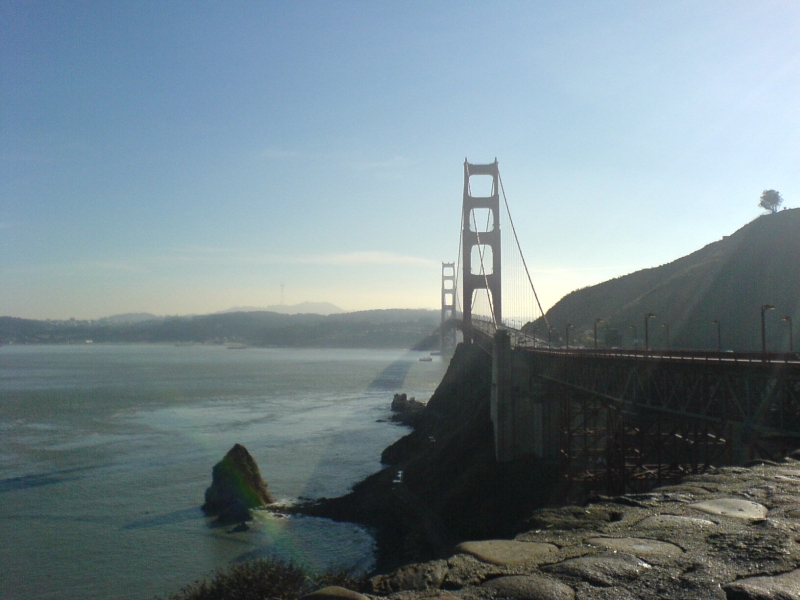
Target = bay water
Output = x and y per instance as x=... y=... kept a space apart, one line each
x=106 y=451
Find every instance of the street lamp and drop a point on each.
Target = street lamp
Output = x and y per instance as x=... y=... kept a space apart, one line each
x=764 y=309
x=666 y=327
x=569 y=326
x=550 y=335
x=635 y=334
x=647 y=318
x=719 y=335
x=788 y=319
x=596 y=321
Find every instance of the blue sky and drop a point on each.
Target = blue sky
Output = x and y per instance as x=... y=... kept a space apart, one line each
x=186 y=157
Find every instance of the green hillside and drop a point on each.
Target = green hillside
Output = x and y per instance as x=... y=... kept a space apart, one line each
x=728 y=281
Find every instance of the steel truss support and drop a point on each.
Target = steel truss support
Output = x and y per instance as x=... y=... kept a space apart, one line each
x=629 y=425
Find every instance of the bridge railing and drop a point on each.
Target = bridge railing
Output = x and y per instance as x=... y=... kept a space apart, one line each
x=671 y=355
x=486 y=329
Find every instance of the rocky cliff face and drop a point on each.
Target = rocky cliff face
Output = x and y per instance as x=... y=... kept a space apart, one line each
x=452 y=523
x=442 y=483
x=730 y=534
x=236 y=487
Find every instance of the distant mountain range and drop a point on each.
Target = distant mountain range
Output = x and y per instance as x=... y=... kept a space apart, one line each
x=304 y=308
x=727 y=281
x=129 y=318
x=396 y=328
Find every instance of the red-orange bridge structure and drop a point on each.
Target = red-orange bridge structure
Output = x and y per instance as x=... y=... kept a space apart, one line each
x=615 y=420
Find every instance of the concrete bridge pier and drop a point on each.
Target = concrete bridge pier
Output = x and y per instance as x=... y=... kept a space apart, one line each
x=524 y=423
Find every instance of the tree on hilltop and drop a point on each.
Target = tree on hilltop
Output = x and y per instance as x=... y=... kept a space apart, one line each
x=771 y=200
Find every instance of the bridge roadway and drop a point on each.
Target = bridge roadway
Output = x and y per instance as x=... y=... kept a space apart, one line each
x=625 y=420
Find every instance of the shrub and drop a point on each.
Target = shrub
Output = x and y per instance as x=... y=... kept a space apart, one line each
x=263 y=579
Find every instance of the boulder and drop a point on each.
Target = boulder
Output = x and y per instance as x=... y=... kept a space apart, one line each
x=236 y=487
x=235 y=513
x=528 y=587
x=408 y=411
x=334 y=592
x=402 y=403
x=603 y=570
x=506 y=552
x=420 y=577
x=775 y=587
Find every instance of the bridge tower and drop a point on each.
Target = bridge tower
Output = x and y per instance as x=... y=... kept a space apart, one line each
x=476 y=233
x=447 y=329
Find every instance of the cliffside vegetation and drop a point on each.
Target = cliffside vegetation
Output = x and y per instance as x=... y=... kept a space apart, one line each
x=266 y=578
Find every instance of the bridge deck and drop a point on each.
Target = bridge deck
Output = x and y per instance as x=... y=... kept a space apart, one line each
x=680 y=356
x=626 y=419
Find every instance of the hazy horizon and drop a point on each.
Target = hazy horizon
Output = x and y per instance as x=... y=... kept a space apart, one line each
x=216 y=312
x=184 y=159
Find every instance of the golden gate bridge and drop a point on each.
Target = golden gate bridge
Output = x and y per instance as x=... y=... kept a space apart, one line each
x=614 y=419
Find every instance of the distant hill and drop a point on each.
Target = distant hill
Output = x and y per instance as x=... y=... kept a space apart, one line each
x=129 y=318
x=728 y=280
x=304 y=308
x=390 y=315
x=368 y=329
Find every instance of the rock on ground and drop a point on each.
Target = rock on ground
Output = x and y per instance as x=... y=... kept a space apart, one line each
x=334 y=592
x=779 y=587
x=529 y=587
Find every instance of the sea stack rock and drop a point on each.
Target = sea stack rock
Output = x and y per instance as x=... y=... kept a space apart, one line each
x=408 y=410
x=236 y=487
x=403 y=404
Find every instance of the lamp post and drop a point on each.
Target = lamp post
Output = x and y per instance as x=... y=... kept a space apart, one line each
x=647 y=318
x=719 y=335
x=788 y=319
x=596 y=321
x=764 y=309
x=635 y=334
x=666 y=327
x=550 y=335
x=569 y=326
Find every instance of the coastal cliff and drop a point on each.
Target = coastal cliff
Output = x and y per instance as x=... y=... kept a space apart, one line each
x=442 y=484
x=728 y=534
x=453 y=523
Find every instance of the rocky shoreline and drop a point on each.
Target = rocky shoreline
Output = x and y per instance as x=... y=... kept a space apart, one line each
x=441 y=484
x=732 y=532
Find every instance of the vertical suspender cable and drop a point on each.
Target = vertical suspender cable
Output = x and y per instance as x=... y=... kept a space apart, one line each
x=514 y=230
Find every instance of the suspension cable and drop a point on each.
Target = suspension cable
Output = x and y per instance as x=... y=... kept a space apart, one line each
x=524 y=264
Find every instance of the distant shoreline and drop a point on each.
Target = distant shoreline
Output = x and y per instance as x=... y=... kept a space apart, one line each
x=396 y=328
x=206 y=345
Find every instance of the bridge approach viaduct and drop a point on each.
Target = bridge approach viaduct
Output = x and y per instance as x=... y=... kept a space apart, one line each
x=619 y=421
